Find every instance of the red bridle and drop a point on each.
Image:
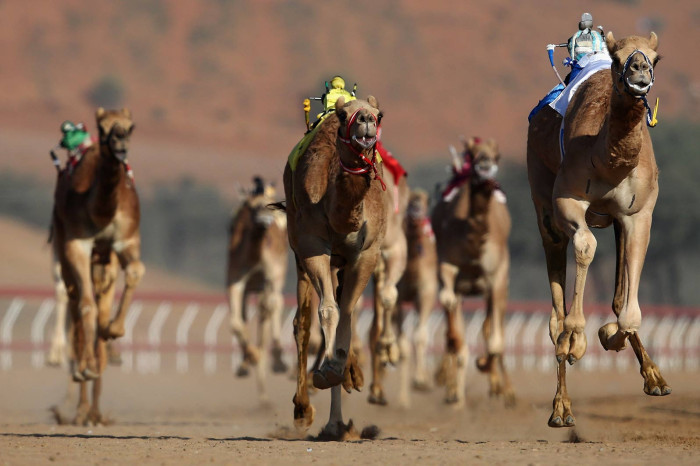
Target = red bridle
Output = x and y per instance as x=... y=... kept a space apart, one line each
x=369 y=164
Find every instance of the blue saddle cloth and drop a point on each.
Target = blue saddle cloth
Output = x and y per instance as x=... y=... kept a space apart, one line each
x=551 y=95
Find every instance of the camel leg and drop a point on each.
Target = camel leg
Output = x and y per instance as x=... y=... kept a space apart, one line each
x=355 y=279
x=452 y=371
x=274 y=300
x=331 y=373
x=94 y=416
x=57 y=352
x=404 y=365
x=555 y=245
x=424 y=305
x=571 y=344
x=632 y=239
x=81 y=415
x=395 y=264
x=76 y=271
x=376 y=391
x=236 y=297
x=492 y=330
x=303 y=411
x=104 y=277
x=130 y=260
x=263 y=336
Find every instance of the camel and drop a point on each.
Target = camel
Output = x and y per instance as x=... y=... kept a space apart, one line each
x=96 y=212
x=608 y=175
x=472 y=230
x=257 y=263
x=383 y=343
x=336 y=219
x=419 y=287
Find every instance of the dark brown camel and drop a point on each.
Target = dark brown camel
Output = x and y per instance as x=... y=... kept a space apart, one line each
x=96 y=212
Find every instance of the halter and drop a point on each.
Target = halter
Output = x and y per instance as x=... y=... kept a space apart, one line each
x=369 y=164
x=651 y=118
x=125 y=162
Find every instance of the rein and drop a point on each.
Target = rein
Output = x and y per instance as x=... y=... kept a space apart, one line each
x=651 y=116
x=369 y=164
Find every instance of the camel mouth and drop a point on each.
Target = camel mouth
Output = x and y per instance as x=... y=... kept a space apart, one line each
x=487 y=173
x=637 y=89
x=120 y=154
x=364 y=141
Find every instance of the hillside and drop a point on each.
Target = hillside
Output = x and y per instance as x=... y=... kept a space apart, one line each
x=26 y=259
x=216 y=86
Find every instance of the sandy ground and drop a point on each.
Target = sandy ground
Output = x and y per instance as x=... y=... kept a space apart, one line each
x=194 y=418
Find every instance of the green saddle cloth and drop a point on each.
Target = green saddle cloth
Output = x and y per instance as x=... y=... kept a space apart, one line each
x=303 y=144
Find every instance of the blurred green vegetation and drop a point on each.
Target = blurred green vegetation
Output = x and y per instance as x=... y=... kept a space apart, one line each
x=184 y=224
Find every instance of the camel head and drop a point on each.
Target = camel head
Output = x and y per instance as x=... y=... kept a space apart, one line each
x=633 y=62
x=359 y=122
x=115 y=128
x=258 y=201
x=418 y=205
x=484 y=156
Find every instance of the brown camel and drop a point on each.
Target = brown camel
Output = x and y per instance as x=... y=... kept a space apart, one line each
x=472 y=229
x=608 y=175
x=418 y=286
x=336 y=217
x=257 y=263
x=384 y=347
x=96 y=212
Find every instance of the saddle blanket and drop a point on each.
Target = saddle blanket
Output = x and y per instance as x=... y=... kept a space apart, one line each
x=590 y=64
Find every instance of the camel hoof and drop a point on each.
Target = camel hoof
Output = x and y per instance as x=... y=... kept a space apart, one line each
x=90 y=375
x=570 y=421
x=555 y=421
x=571 y=359
x=78 y=377
x=303 y=417
x=421 y=386
x=658 y=391
x=451 y=399
x=560 y=358
x=376 y=397
x=327 y=376
x=279 y=367
x=114 y=331
x=482 y=364
x=242 y=371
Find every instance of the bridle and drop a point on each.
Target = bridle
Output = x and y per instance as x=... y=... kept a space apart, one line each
x=369 y=164
x=651 y=120
x=105 y=141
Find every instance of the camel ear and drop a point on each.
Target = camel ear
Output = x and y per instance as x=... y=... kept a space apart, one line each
x=339 y=110
x=653 y=41
x=492 y=142
x=610 y=41
x=126 y=112
x=100 y=113
x=470 y=144
x=373 y=101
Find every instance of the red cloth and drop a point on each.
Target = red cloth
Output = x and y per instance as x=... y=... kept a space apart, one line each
x=391 y=163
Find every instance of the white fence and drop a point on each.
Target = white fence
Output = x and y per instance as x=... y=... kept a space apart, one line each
x=185 y=336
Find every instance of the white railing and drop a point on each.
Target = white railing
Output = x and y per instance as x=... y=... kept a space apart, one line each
x=186 y=335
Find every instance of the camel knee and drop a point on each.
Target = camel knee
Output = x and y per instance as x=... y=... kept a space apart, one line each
x=133 y=273
x=495 y=343
x=630 y=319
x=447 y=298
x=420 y=336
x=389 y=297
x=585 y=246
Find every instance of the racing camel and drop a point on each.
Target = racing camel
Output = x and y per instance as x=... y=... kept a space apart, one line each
x=257 y=263
x=96 y=211
x=472 y=225
x=608 y=175
x=336 y=218
x=383 y=343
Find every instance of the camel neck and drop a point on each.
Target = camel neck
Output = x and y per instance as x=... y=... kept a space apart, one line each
x=347 y=210
x=624 y=139
x=109 y=176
